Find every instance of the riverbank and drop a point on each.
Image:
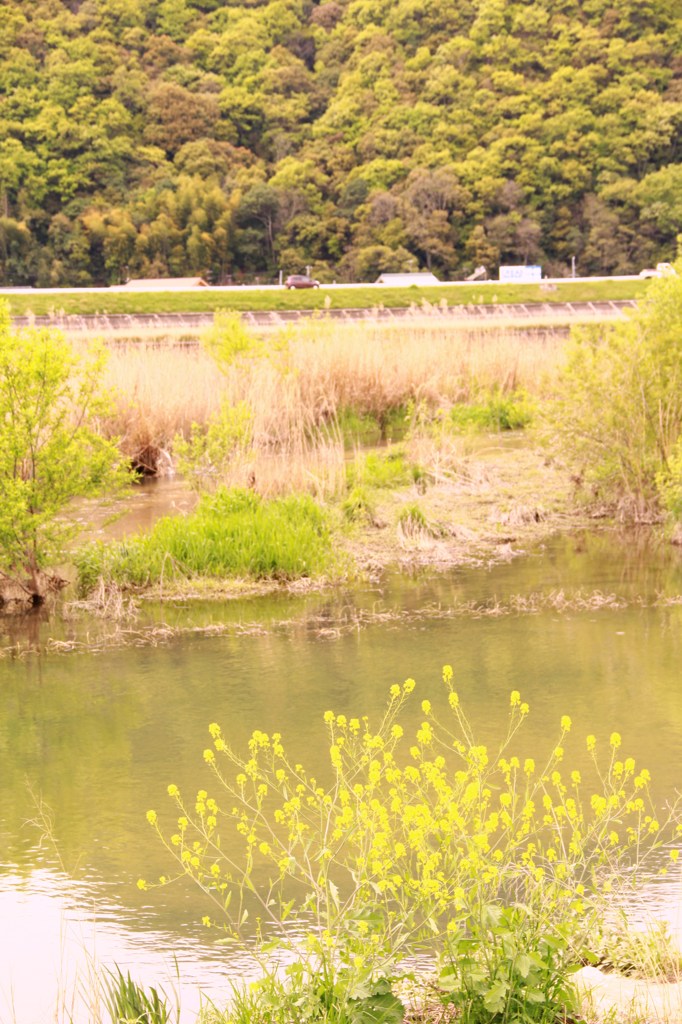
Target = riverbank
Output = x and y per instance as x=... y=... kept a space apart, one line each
x=408 y=438
x=479 y=501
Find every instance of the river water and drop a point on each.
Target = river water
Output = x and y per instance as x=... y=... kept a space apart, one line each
x=588 y=626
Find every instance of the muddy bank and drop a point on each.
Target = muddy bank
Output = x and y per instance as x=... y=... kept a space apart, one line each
x=502 y=498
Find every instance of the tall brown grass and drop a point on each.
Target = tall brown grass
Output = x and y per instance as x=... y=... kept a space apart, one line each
x=375 y=367
x=159 y=391
x=312 y=372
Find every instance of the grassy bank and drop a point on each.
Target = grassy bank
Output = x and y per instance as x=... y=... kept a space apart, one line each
x=431 y=503
x=241 y=300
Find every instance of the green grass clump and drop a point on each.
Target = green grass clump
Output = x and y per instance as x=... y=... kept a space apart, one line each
x=412 y=520
x=358 y=506
x=128 y=1001
x=495 y=412
x=413 y=524
x=233 y=533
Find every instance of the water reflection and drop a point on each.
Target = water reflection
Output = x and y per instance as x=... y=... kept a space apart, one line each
x=98 y=736
x=65 y=935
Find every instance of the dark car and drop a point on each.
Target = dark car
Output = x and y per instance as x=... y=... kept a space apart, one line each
x=300 y=281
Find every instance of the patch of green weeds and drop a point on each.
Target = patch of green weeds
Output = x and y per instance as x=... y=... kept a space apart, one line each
x=492 y=412
x=508 y=964
x=209 y=449
x=647 y=953
x=358 y=428
x=395 y=422
x=303 y=995
x=380 y=469
x=366 y=429
x=233 y=533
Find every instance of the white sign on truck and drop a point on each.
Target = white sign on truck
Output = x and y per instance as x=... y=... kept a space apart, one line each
x=521 y=275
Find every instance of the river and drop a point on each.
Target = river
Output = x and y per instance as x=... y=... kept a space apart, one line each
x=589 y=626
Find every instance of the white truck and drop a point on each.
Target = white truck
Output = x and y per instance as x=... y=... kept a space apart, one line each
x=662 y=270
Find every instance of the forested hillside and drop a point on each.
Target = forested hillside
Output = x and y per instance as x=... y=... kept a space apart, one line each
x=155 y=137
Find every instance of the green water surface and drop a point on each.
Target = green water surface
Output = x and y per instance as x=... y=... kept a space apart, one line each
x=97 y=737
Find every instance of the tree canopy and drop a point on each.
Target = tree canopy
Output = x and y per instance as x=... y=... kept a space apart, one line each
x=225 y=138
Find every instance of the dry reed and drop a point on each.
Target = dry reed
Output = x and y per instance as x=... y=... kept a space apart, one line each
x=158 y=393
x=378 y=366
x=317 y=468
x=318 y=369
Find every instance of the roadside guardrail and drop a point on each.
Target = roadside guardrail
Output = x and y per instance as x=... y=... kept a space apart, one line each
x=539 y=312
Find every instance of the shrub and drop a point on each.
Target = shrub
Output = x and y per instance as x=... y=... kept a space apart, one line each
x=669 y=483
x=617 y=414
x=496 y=867
x=50 y=450
x=230 y=342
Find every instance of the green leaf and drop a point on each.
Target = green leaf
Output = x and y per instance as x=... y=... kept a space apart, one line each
x=496 y=996
x=534 y=995
x=378 y=1009
x=522 y=965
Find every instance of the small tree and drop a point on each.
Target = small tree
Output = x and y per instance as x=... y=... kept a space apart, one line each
x=617 y=413
x=50 y=452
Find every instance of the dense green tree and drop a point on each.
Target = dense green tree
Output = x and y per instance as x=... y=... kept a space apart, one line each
x=367 y=262
x=460 y=133
x=258 y=211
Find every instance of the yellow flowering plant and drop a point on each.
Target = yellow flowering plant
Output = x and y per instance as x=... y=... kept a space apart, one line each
x=498 y=868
